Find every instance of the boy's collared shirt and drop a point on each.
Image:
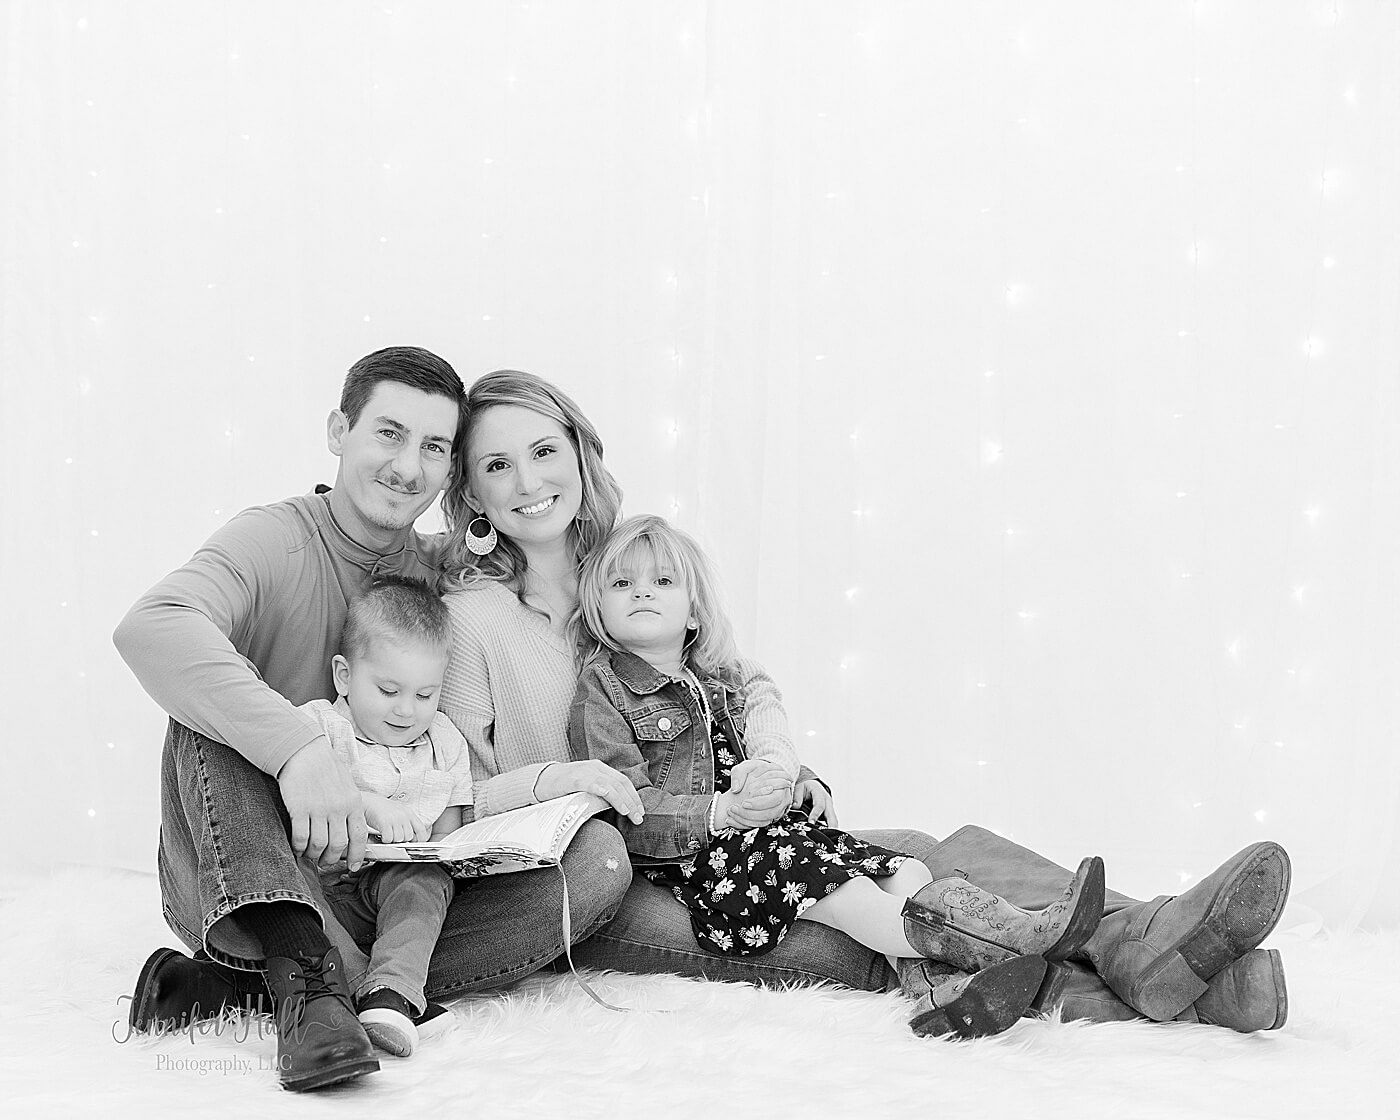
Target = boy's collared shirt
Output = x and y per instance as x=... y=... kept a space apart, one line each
x=425 y=776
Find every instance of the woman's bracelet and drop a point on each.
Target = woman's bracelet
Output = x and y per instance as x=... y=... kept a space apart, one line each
x=534 y=789
x=714 y=804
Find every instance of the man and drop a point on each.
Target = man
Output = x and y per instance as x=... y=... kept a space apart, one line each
x=229 y=645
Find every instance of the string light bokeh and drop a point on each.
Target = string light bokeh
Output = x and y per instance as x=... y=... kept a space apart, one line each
x=1033 y=374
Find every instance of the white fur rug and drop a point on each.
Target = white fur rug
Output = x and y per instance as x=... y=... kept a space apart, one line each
x=74 y=941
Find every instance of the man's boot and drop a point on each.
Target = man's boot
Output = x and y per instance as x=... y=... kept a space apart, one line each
x=950 y=1002
x=955 y=921
x=174 y=991
x=1246 y=995
x=1231 y=911
x=319 y=1039
x=1159 y=955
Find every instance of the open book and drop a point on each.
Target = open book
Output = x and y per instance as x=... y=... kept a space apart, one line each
x=518 y=840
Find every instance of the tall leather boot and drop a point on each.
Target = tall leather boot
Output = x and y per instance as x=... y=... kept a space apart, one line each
x=955 y=921
x=174 y=991
x=1160 y=956
x=951 y=1002
x=1246 y=995
x=319 y=1039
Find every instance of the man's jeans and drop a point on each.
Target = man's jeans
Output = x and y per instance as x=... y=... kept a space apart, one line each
x=224 y=843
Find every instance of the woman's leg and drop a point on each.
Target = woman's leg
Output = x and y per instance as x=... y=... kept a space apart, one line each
x=652 y=933
x=500 y=928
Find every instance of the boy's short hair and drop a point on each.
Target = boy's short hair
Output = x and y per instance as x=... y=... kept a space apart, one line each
x=398 y=608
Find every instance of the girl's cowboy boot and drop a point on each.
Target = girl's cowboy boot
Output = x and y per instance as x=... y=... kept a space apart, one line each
x=954 y=921
x=949 y=1002
x=1159 y=956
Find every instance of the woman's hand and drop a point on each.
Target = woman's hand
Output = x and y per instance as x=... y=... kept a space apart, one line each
x=823 y=810
x=590 y=776
x=759 y=793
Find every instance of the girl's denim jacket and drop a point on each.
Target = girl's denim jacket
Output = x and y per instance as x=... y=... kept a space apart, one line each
x=651 y=727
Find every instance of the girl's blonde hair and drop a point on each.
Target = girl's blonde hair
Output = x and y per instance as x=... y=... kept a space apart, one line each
x=710 y=651
x=598 y=511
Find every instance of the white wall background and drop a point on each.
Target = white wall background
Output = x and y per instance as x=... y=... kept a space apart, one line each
x=1033 y=371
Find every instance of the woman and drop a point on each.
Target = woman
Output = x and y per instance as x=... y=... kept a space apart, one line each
x=529 y=500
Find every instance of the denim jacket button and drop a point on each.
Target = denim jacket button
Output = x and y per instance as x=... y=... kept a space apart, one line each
x=694 y=845
x=664 y=724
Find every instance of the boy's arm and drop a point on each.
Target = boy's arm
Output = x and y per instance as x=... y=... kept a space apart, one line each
x=450 y=821
x=674 y=826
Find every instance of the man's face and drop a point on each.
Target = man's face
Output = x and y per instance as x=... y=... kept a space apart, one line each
x=393 y=462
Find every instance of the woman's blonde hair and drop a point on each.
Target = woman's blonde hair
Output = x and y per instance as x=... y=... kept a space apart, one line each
x=710 y=651
x=602 y=497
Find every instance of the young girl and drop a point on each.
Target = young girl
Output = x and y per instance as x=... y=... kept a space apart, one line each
x=658 y=700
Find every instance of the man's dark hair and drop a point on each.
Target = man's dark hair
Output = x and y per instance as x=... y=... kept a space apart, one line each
x=407 y=365
x=397 y=608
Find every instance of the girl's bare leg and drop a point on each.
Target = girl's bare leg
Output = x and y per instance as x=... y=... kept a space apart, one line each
x=870 y=909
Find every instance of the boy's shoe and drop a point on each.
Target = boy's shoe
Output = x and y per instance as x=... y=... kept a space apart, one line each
x=388 y=1020
x=435 y=1022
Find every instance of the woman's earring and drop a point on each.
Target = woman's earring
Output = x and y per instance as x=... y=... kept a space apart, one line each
x=480 y=543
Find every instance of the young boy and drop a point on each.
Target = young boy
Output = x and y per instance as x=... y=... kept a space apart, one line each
x=412 y=768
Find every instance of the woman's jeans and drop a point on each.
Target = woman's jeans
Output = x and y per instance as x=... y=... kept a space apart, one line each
x=224 y=843
x=652 y=933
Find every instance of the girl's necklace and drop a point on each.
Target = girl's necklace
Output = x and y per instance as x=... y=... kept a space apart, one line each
x=698 y=690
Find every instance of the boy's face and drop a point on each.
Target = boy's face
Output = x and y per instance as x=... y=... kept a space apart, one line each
x=392 y=689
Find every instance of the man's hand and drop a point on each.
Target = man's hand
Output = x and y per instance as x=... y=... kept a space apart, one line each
x=392 y=820
x=591 y=776
x=328 y=820
x=823 y=806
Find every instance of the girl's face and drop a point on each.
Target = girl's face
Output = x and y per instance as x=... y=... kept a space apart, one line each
x=646 y=607
x=523 y=474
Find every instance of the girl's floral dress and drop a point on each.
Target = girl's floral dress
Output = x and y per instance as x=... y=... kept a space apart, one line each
x=747 y=888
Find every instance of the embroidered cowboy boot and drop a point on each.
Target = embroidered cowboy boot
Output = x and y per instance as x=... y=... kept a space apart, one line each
x=1159 y=957
x=947 y=1001
x=958 y=922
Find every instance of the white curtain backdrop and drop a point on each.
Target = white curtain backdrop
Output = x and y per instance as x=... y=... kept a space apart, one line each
x=1032 y=371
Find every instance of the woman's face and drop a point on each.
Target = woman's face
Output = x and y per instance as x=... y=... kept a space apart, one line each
x=523 y=474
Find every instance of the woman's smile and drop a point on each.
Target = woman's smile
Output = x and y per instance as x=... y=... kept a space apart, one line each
x=538 y=507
